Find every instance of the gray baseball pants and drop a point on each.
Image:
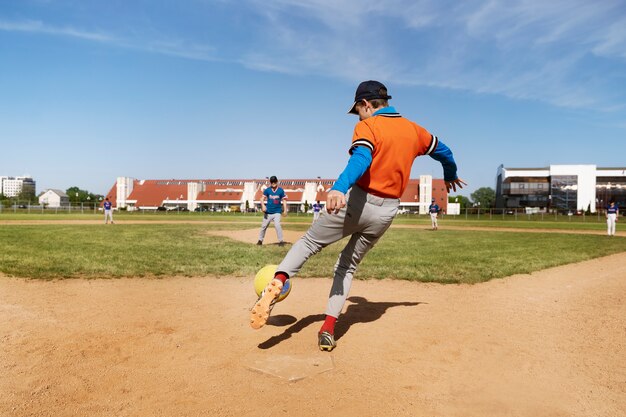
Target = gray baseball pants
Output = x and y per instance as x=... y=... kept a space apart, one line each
x=267 y=219
x=365 y=218
x=433 y=219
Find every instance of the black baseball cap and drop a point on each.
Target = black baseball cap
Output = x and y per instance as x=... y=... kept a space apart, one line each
x=273 y=178
x=369 y=90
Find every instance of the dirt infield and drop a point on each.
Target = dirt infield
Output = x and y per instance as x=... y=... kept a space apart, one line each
x=548 y=344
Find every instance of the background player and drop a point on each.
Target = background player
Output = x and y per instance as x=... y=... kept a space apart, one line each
x=433 y=209
x=612 y=211
x=276 y=204
x=317 y=209
x=363 y=201
x=108 y=211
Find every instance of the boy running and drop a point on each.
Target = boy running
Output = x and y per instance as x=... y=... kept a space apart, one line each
x=363 y=201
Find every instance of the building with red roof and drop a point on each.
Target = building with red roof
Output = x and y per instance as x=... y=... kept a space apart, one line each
x=245 y=194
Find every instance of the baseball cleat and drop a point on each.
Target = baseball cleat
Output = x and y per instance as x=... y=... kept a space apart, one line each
x=326 y=341
x=264 y=305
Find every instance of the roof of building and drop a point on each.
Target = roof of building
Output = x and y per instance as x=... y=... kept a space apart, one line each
x=152 y=193
x=58 y=192
x=155 y=193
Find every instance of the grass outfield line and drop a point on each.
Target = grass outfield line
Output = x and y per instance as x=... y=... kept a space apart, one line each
x=593 y=222
x=448 y=256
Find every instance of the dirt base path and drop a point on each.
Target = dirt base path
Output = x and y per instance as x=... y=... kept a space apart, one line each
x=548 y=344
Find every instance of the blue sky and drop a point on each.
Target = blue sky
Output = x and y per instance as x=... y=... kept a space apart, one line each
x=91 y=90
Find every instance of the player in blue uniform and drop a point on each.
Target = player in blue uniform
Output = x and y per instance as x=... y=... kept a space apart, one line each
x=317 y=208
x=108 y=211
x=612 y=211
x=273 y=203
x=433 y=209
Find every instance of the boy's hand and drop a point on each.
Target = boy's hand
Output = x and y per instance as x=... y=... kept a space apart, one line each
x=335 y=201
x=451 y=185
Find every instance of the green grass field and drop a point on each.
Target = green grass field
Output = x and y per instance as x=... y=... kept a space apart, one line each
x=536 y=221
x=50 y=251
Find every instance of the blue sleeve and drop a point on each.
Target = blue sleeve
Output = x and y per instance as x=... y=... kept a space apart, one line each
x=359 y=162
x=443 y=154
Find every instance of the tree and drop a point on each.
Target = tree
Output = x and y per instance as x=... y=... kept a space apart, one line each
x=27 y=195
x=306 y=206
x=484 y=196
x=76 y=195
x=462 y=200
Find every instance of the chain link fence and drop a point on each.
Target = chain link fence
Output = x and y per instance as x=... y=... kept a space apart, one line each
x=465 y=214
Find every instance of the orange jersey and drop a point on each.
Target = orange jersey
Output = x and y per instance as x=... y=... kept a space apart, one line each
x=395 y=142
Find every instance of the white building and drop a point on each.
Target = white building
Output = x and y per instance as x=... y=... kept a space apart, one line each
x=54 y=198
x=567 y=188
x=13 y=186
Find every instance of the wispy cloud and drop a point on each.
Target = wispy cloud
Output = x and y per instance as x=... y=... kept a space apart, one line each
x=524 y=49
x=37 y=27
x=554 y=51
x=172 y=47
x=178 y=48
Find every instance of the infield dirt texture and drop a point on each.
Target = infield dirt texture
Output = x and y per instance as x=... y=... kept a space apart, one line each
x=551 y=343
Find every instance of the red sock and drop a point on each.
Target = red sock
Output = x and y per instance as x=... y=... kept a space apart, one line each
x=281 y=276
x=329 y=325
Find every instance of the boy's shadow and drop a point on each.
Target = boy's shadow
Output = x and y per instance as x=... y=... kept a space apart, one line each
x=361 y=311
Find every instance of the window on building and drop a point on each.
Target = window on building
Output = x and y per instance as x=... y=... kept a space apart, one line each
x=564 y=192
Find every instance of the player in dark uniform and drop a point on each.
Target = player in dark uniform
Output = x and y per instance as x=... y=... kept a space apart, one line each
x=612 y=212
x=433 y=210
x=108 y=211
x=317 y=209
x=272 y=209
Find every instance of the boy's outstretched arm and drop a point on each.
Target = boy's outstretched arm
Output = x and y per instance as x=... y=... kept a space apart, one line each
x=443 y=154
